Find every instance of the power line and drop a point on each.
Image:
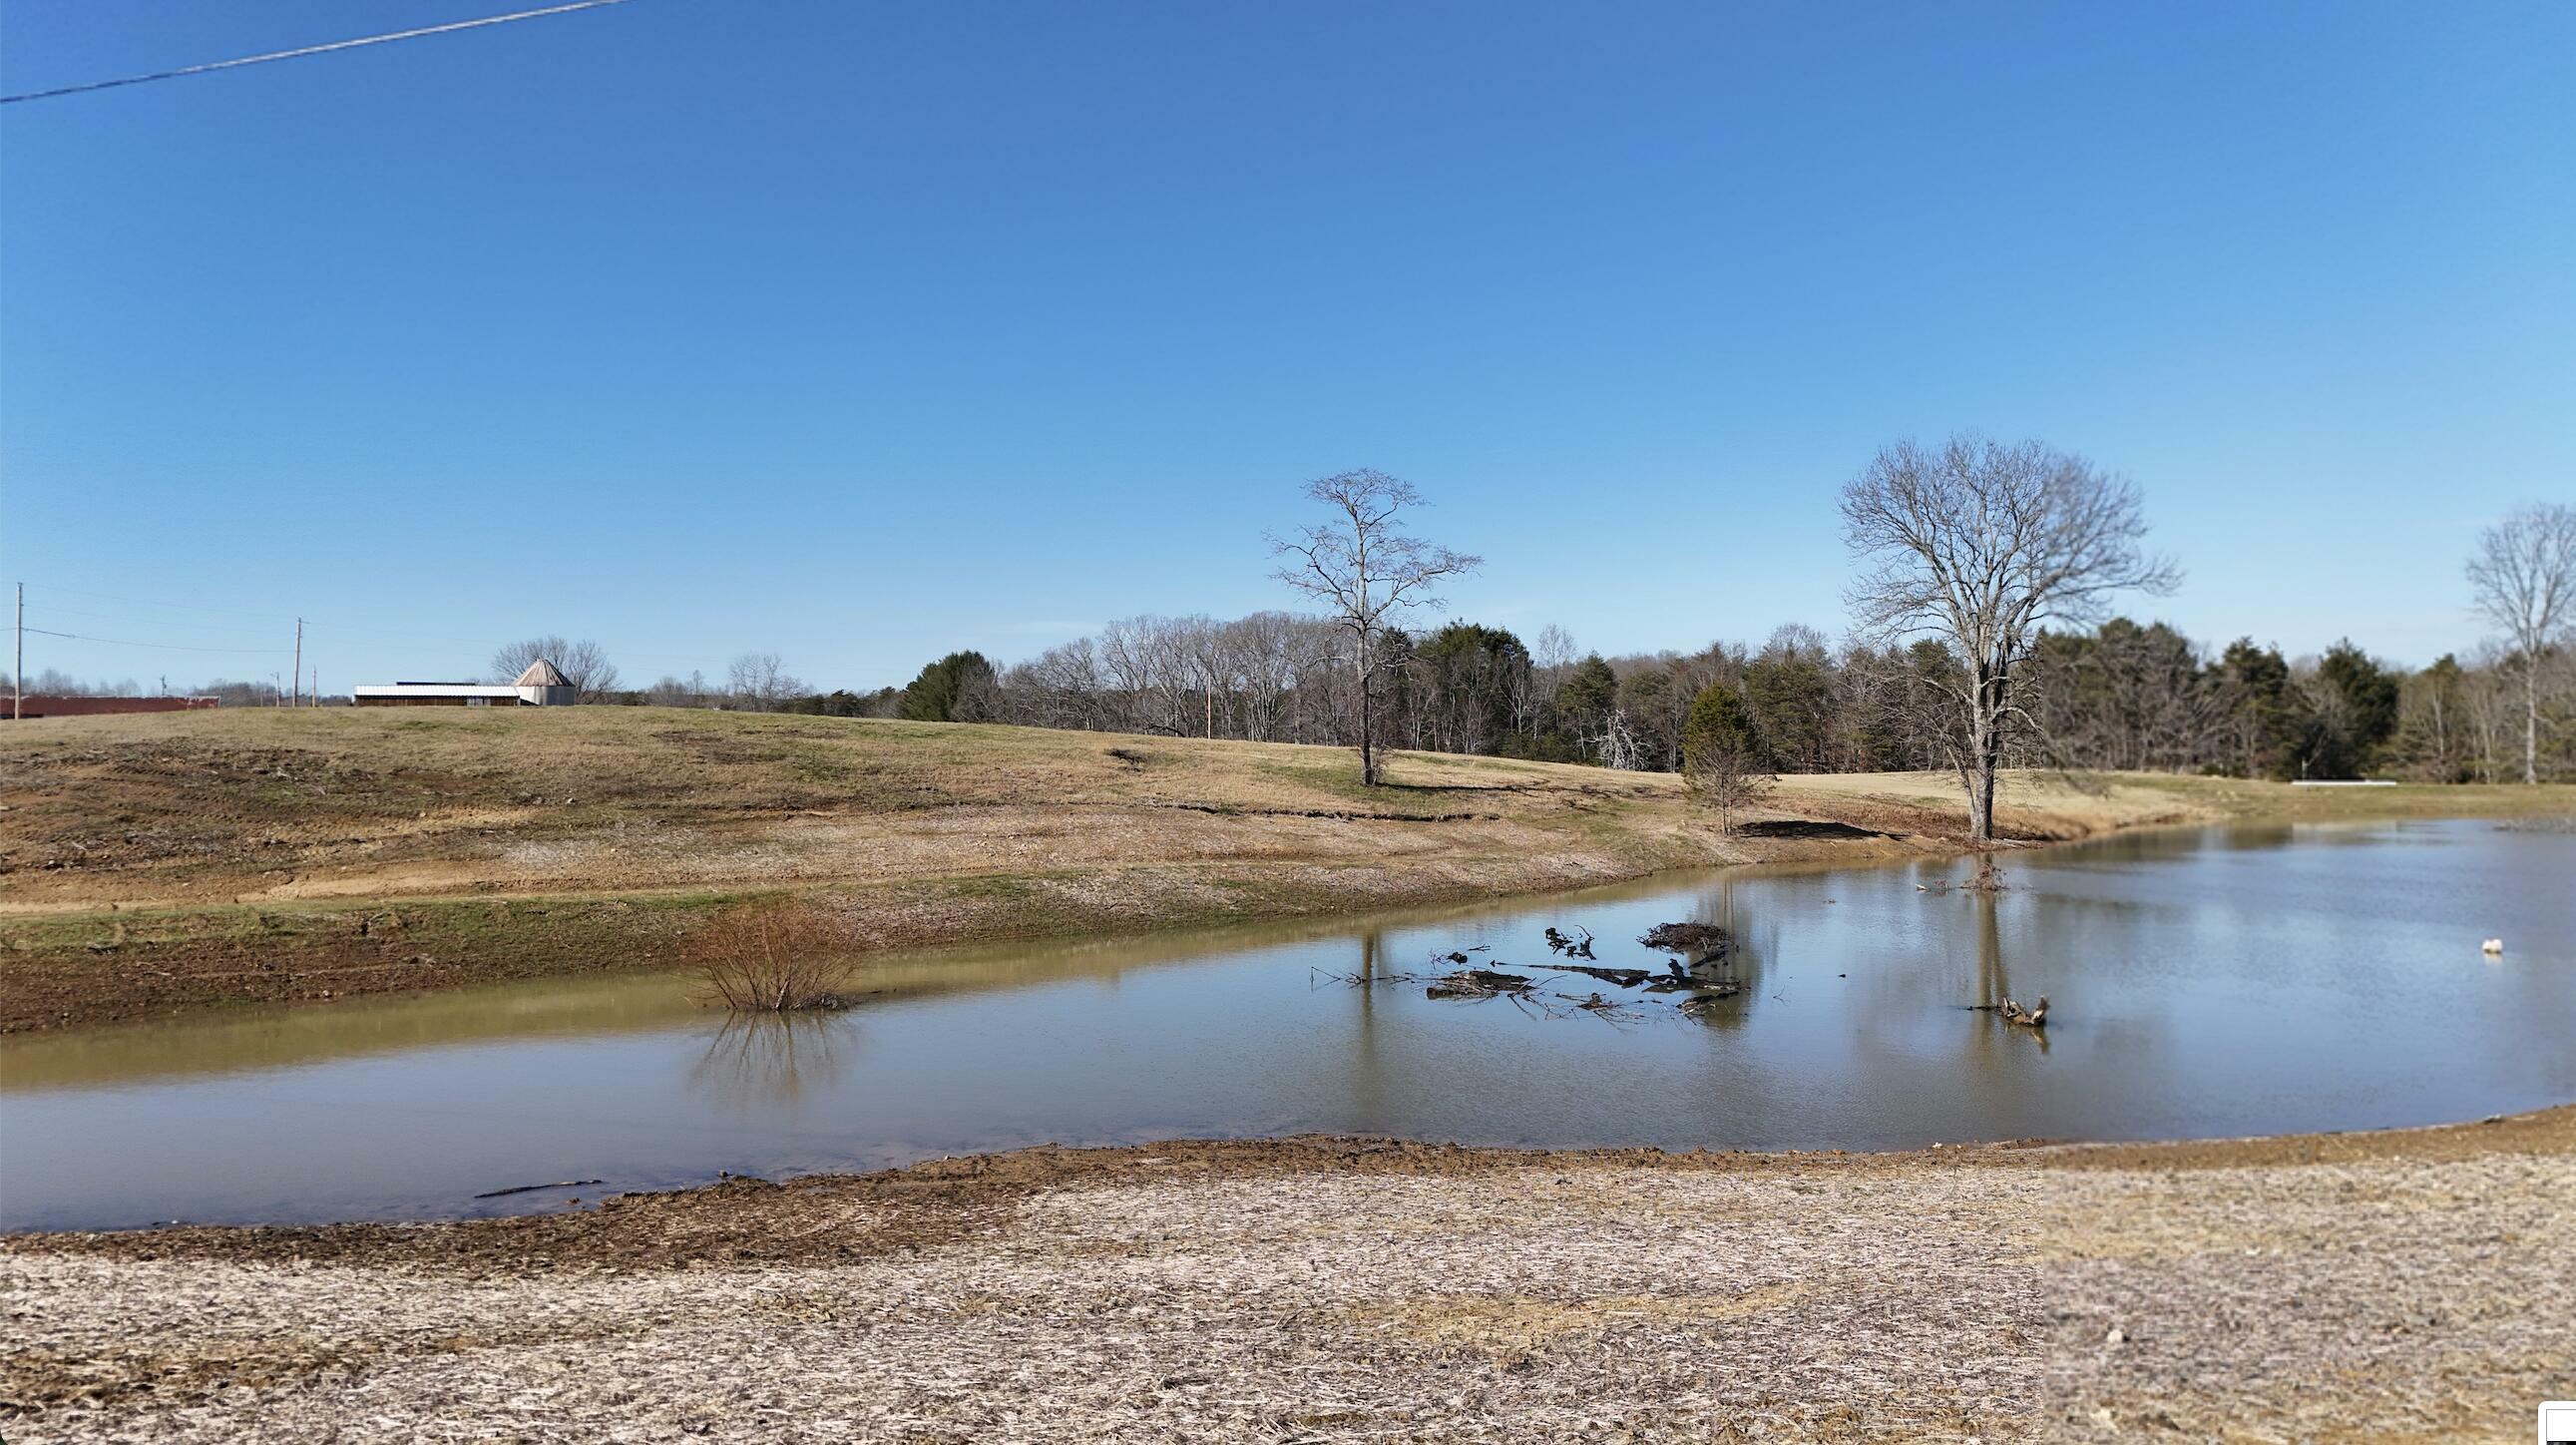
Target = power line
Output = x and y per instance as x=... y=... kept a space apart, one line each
x=164 y=646
x=324 y=49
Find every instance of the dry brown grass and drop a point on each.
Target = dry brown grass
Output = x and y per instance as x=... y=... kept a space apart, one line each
x=165 y=862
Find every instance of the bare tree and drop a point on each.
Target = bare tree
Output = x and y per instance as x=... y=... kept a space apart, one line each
x=1553 y=650
x=2525 y=576
x=1727 y=781
x=1619 y=747
x=584 y=664
x=759 y=681
x=1367 y=571
x=1722 y=755
x=1980 y=545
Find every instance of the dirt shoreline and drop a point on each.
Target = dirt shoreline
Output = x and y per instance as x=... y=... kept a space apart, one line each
x=2402 y=1285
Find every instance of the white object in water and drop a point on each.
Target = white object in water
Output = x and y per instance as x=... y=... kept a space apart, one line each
x=2492 y=945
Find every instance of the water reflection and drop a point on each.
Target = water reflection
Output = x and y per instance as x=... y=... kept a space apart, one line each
x=774 y=1058
x=1994 y=981
x=1368 y=1072
x=1726 y=980
x=2209 y=982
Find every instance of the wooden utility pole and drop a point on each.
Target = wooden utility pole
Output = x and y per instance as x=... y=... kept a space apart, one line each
x=295 y=678
x=18 y=668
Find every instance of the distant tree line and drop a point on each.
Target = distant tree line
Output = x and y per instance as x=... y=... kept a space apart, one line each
x=2119 y=696
x=1982 y=566
x=2122 y=695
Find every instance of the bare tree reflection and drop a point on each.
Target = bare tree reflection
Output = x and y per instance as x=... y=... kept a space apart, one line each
x=773 y=1058
x=1368 y=1071
x=1726 y=981
x=1993 y=984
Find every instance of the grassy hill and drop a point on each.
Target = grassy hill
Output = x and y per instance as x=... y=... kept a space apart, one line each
x=166 y=861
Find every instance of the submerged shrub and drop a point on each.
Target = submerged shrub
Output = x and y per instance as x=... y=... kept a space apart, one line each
x=771 y=959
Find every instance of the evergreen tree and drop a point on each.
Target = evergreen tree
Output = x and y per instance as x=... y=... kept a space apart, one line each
x=2350 y=714
x=1584 y=700
x=1473 y=677
x=1790 y=695
x=2261 y=715
x=956 y=688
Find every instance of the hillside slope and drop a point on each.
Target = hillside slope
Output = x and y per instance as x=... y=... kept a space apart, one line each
x=152 y=862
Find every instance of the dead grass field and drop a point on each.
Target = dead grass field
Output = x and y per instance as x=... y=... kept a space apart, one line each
x=151 y=864
x=2406 y=1286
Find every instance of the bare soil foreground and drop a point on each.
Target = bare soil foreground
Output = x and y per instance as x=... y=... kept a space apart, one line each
x=2400 y=1286
x=152 y=865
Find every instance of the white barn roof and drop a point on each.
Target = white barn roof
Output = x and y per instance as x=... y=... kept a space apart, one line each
x=438 y=689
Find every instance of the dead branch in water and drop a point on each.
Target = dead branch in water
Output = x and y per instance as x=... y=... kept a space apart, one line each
x=2013 y=1013
x=1609 y=1011
x=1622 y=977
x=1478 y=983
x=1570 y=947
x=533 y=1188
x=1700 y=1004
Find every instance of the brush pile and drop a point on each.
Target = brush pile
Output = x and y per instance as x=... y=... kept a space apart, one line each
x=1705 y=940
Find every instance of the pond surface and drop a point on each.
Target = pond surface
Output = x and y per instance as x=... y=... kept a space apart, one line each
x=2202 y=983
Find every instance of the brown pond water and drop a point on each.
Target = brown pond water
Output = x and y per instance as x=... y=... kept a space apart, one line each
x=2203 y=982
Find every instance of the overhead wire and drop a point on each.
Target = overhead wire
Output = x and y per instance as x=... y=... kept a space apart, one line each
x=163 y=646
x=326 y=48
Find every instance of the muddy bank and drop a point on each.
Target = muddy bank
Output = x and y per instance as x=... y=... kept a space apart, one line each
x=153 y=866
x=1330 y=1289
x=127 y=961
x=97 y=968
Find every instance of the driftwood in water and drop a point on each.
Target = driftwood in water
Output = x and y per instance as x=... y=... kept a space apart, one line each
x=1700 y=1003
x=2034 y=1017
x=1674 y=979
x=1478 y=983
x=1608 y=1010
x=1570 y=947
x=1622 y=977
x=533 y=1188
x=1706 y=939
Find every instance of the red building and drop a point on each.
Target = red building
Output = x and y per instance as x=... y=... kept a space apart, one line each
x=48 y=704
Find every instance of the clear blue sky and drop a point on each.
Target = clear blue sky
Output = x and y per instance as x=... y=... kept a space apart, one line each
x=865 y=331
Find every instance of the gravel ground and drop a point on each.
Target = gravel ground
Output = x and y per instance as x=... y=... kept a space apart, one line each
x=2395 y=1287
